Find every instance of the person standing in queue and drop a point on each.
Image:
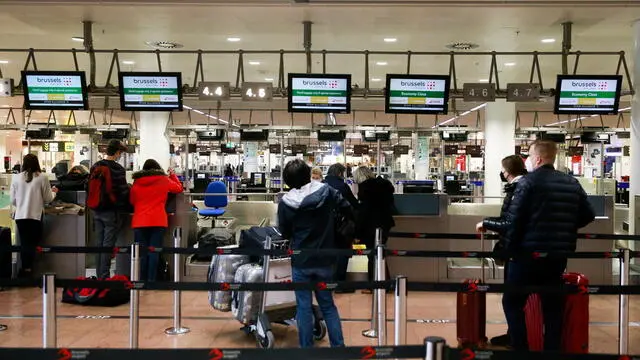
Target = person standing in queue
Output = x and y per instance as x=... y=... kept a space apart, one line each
x=513 y=169
x=346 y=221
x=546 y=212
x=306 y=217
x=30 y=191
x=316 y=174
x=108 y=198
x=149 y=193
x=375 y=210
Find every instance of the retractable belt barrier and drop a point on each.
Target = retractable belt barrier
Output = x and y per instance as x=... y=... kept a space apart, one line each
x=366 y=352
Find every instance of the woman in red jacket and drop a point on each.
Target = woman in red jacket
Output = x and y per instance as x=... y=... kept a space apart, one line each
x=148 y=196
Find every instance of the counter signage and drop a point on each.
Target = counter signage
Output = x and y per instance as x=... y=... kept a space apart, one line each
x=523 y=92
x=359 y=150
x=575 y=151
x=587 y=94
x=55 y=90
x=257 y=91
x=214 y=90
x=58 y=146
x=479 y=92
x=298 y=149
x=150 y=91
x=319 y=93
x=274 y=149
x=474 y=151
x=451 y=149
x=401 y=150
x=417 y=94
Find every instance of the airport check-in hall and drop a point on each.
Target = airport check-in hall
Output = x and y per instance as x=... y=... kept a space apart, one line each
x=371 y=179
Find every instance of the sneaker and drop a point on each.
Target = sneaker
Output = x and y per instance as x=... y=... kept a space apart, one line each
x=502 y=340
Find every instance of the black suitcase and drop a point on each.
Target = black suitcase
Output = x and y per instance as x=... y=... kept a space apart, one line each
x=210 y=239
x=6 y=266
x=255 y=237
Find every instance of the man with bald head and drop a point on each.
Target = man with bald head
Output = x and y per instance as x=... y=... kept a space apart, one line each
x=547 y=210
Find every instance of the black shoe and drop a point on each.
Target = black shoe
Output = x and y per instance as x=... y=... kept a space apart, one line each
x=502 y=340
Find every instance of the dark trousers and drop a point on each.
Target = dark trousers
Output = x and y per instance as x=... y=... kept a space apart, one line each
x=145 y=237
x=107 y=226
x=342 y=263
x=541 y=272
x=30 y=232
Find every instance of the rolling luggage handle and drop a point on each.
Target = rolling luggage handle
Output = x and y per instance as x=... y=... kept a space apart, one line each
x=177 y=328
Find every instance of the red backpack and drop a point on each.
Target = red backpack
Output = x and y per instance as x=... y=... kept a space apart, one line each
x=100 y=188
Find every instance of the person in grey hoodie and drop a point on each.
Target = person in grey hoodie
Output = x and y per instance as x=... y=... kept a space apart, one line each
x=307 y=217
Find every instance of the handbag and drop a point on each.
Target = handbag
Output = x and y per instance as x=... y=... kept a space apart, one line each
x=97 y=297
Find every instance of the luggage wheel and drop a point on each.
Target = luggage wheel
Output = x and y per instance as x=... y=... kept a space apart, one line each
x=319 y=325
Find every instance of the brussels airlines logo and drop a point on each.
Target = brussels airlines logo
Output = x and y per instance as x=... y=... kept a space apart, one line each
x=55 y=81
x=322 y=84
x=591 y=85
x=154 y=82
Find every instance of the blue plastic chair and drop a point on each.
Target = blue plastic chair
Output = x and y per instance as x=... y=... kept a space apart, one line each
x=215 y=204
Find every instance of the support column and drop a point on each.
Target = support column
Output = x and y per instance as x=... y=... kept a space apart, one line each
x=634 y=179
x=154 y=144
x=499 y=130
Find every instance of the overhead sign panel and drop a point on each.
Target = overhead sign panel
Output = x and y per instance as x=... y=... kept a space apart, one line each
x=55 y=90
x=322 y=93
x=214 y=90
x=580 y=94
x=417 y=94
x=150 y=91
x=257 y=91
x=523 y=92
x=479 y=92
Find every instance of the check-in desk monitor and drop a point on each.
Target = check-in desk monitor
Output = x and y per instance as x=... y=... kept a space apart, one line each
x=200 y=183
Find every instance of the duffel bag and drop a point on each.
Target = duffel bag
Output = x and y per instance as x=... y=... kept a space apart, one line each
x=97 y=297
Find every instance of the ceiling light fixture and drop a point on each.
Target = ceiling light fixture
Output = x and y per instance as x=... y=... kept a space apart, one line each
x=4 y=61
x=390 y=40
x=510 y=64
x=548 y=41
x=233 y=39
x=268 y=79
x=461 y=115
x=462 y=46
x=584 y=117
x=483 y=80
x=254 y=62
x=381 y=63
x=163 y=45
x=376 y=79
x=207 y=115
x=128 y=62
x=78 y=38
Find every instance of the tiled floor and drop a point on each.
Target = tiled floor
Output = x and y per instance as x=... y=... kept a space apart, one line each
x=20 y=309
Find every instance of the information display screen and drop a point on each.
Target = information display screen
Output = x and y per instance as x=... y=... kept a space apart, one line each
x=583 y=94
x=55 y=90
x=319 y=93
x=417 y=94
x=150 y=91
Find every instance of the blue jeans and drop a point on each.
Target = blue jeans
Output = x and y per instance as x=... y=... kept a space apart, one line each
x=304 y=302
x=149 y=236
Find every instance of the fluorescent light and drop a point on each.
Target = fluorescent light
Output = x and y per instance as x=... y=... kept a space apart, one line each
x=207 y=115
x=381 y=63
x=390 y=40
x=233 y=39
x=461 y=115
x=78 y=38
x=268 y=79
x=128 y=62
x=254 y=62
x=548 y=41
x=4 y=61
x=483 y=80
x=584 y=117
x=376 y=79
x=510 y=64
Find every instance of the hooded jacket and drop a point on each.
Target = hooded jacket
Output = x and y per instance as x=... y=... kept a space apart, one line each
x=498 y=224
x=149 y=196
x=119 y=185
x=376 y=209
x=307 y=217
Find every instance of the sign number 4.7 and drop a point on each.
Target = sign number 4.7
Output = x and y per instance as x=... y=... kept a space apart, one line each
x=523 y=92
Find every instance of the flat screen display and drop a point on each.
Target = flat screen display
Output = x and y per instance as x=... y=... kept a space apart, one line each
x=319 y=93
x=55 y=90
x=585 y=95
x=417 y=94
x=150 y=91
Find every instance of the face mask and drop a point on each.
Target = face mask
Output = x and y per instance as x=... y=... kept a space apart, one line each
x=529 y=164
x=502 y=177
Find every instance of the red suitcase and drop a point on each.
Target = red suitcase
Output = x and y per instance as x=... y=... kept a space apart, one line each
x=471 y=317
x=575 y=335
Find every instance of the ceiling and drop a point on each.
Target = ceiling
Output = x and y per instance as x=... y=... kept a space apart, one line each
x=277 y=24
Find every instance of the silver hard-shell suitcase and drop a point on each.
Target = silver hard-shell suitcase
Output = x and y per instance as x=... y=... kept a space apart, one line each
x=245 y=305
x=222 y=270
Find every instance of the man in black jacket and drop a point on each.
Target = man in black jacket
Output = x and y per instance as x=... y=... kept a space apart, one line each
x=306 y=216
x=546 y=212
x=108 y=219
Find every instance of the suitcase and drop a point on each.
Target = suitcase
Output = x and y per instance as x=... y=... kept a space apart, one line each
x=245 y=305
x=575 y=331
x=6 y=258
x=213 y=238
x=255 y=237
x=223 y=269
x=471 y=317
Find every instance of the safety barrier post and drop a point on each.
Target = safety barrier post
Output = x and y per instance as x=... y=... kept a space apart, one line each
x=434 y=347
x=400 y=323
x=372 y=332
x=623 y=321
x=134 y=311
x=177 y=328
x=49 y=325
x=381 y=294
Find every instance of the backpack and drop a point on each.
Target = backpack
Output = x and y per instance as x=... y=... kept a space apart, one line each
x=97 y=297
x=100 y=188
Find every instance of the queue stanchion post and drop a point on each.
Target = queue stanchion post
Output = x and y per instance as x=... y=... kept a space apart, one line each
x=400 y=318
x=372 y=332
x=381 y=294
x=177 y=328
x=134 y=305
x=49 y=324
x=623 y=321
x=434 y=348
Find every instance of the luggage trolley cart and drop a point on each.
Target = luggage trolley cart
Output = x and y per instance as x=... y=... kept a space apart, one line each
x=279 y=306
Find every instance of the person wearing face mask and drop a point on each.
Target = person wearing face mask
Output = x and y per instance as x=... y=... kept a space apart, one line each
x=316 y=174
x=513 y=169
x=108 y=215
x=547 y=210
